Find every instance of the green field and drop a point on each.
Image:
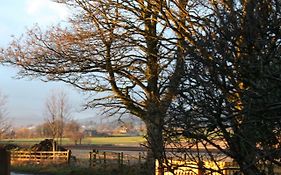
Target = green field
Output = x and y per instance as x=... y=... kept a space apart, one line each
x=130 y=141
x=115 y=140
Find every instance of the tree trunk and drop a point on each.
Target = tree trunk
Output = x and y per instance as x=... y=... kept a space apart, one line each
x=54 y=145
x=247 y=163
x=250 y=170
x=156 y=146
x=246 y=151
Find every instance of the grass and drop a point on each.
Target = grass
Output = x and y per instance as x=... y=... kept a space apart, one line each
x=115 y=140
x=136 y=140
x=82 y=169
x=52 y=169
x=74 y=170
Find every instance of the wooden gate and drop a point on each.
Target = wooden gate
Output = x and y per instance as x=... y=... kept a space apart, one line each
x=40 y=156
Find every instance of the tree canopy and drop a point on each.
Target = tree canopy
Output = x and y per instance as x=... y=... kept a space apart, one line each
x=119 y=48
x=204 y=71
x=230 y=99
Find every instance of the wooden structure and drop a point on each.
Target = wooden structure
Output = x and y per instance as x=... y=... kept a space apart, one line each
x=40 y=156
x=192 y=168
x=4 y=162
x=221 y=167
x=118 y=159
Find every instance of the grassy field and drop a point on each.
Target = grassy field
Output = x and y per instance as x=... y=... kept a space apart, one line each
x=74 y=170
x=115 y=140
x=130 y=141
x=77 y=169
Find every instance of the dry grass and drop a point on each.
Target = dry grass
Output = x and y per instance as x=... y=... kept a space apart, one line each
x=136 y=140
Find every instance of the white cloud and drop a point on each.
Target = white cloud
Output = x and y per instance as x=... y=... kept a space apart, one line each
x=46 y=11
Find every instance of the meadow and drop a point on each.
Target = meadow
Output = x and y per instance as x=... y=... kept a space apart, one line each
x=78 y=169
x=113 y=140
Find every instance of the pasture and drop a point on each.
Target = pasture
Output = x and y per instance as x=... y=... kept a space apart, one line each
x=127 y=141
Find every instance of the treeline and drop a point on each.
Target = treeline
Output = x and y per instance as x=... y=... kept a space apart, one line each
x=71 y=130
x=76 y=131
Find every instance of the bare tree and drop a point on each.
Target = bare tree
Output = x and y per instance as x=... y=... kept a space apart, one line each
x=4 y=122
x=57 y=112
x=44 y=130
x=230 y=100
x=74 y=131
x=120 y=48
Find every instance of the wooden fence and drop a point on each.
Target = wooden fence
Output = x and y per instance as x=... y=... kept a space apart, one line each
x=118 y=159
x=211 y=168
x=40 y=156
x=192 y=168
x=102 y=158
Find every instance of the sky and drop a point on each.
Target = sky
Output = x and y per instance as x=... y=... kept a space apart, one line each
x=26 y=98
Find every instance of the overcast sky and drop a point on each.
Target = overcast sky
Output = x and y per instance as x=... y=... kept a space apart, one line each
x=26 y=98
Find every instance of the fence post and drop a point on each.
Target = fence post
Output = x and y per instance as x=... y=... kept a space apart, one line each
x=119 y=160
x=122 y=158
x=95 y=157
x=90 y=163
x=68 y=156
x=139 y=159
x=104 y=159
x=5 y=161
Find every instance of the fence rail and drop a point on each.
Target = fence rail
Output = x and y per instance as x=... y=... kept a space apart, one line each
x=114 y=158
x=40 y=156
